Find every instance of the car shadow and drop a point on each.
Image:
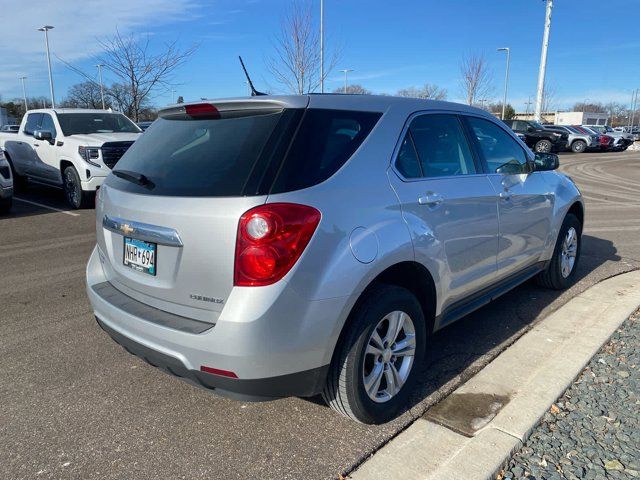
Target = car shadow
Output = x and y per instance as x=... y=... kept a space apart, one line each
x=457 y=352
x=26 y=200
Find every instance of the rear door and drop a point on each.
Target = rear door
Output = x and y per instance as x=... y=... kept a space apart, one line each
x=448 y=204
x=169 y=241
x=525 y=204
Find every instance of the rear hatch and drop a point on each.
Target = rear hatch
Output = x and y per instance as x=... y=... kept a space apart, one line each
x=168 y=214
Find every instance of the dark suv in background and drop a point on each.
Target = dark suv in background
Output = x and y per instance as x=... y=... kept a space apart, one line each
x=536 y=137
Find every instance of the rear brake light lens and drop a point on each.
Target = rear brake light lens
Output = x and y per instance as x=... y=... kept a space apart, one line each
x=202 y=110
x=270 y=240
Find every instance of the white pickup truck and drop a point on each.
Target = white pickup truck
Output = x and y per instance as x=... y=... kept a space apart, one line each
x=70 y=148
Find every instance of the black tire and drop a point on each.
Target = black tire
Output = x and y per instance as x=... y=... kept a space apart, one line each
x=543 y=146
x=578 y=146
x=552 y=277
x=344 y=391
x=74 y=195
x=19 y=182
x=5 y=205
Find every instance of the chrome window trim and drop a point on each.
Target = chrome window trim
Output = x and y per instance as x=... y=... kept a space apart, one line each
x=142 y=231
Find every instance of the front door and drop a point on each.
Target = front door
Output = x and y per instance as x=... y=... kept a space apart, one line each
x=448 y=204
x=525 y=201
x=46 y=160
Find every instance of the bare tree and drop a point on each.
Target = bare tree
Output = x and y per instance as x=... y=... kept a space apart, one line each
x=549 y=98
x=428 y=91
x=295 y=63
x=353 y=89
x=140 y=71
x=476 y=77
x=595 y=107
x=85 y=95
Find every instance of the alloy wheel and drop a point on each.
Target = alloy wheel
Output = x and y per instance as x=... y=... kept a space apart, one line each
x=569 y=252
x=72 y=188
x=389 y=356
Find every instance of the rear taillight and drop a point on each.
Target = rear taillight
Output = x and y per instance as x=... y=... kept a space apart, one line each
x=270 y=240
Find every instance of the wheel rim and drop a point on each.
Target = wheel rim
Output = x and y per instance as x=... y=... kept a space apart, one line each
x=579 y=147
x=71 y=188
x=569 y=252
x=544 y=147
x=389 y=356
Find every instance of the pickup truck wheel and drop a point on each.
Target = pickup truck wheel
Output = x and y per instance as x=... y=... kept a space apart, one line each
x=578 y=146
x=374 y=367
x=561 y=271
x=75 y=196
x=543 y=146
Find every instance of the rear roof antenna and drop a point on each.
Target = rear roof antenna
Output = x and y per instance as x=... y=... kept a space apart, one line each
x=254 y=92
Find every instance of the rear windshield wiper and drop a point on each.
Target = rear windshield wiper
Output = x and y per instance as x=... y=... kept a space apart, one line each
x=134 y=177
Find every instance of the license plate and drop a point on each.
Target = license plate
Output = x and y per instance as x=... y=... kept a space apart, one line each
x=140 y=255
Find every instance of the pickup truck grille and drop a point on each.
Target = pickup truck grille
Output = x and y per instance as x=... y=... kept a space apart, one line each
x=113 y=151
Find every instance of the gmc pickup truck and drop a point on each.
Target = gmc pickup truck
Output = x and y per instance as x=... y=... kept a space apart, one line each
x=70 y=148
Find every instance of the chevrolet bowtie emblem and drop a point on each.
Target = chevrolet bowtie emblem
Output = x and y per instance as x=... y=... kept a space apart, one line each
x=126 y=228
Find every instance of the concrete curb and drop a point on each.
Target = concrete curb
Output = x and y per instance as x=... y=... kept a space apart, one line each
x=505 y=401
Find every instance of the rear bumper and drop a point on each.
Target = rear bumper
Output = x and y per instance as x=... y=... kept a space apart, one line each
x=301 y=384
x=282 y=350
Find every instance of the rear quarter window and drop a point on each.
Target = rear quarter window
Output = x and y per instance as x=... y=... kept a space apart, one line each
x=324 y=142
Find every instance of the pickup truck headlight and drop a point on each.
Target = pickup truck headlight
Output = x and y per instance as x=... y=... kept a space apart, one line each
x=89 y=153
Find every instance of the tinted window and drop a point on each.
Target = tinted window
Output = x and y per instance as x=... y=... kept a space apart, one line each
x=501 y=152
x=325 y=140
x=87 y=123
x=205 y=157
x=441 y=146
x=47 y=124
x=33 y=120
x=407 y=162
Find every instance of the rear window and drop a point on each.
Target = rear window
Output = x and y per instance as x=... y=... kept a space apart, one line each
x=246 y=155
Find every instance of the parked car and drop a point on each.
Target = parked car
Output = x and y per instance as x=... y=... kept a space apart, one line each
x=537 y=137
x=606 y=142
x=6 y=185
x=621 y=140
x=577 y=142
x=70 y=148
x=10 y=128
x=276 y=246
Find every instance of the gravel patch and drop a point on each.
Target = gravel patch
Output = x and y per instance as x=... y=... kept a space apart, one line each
x=593 y=430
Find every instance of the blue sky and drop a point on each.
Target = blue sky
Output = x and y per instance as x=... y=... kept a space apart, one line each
x=594 y=50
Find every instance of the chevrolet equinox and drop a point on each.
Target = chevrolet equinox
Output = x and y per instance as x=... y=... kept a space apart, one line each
x=289 y=246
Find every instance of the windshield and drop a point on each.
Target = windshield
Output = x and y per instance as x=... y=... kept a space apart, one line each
x=87 y=123
x=536 y=125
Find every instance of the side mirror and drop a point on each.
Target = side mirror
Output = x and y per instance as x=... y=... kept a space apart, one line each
x=544 y=162
x=45 y=135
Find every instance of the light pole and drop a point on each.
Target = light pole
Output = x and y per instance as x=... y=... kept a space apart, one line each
x=345 y=71
x=634 y=106
x=24 y=94
x=543 y=62
x=506 y=78
x=100 y=65
x=528 y=104
x=173 y=95
x=321 y=46
x=482 y=100
x=46 y=29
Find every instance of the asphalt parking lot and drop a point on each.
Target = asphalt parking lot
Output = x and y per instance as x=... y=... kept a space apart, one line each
x=76 y=405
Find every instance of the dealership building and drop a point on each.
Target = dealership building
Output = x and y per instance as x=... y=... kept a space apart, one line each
x=568 y=118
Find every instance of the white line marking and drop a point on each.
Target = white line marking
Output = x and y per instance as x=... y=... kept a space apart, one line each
x=66 y=212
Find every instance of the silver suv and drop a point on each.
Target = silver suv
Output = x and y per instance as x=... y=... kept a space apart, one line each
x=275 y=246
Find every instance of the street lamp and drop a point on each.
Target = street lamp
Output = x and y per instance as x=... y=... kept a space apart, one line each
x=24 y=94
x=506 y=78
x=46 y=29
x=345 y=71
x=100 y=65
x=321 y=46
x=543 y=62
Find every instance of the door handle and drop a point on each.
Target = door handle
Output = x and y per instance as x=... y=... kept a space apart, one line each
x=431 y=199
x=505 y=195
x=36 y=144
